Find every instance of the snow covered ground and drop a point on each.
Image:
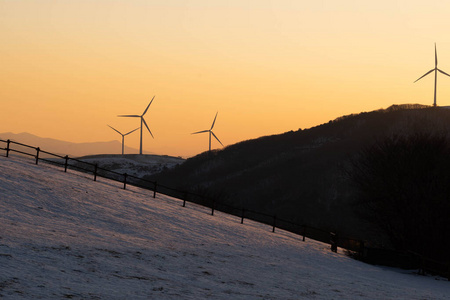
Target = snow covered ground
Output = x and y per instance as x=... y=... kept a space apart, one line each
x=64 y=236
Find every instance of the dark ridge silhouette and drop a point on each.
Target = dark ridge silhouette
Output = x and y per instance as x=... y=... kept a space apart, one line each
x=301 y=175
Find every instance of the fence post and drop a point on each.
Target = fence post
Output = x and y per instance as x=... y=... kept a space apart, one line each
x=422 y=266
x=184 y=199
x=65 y=163
x=125 y=181
x=334 y=241
x=448 y=271
x=212 y=208
x=274 y=222
x=242 y=217
x=361 y=249
x=95 y=172
x=37 y=154
x=7 y=147
x=304 y=232
x=154 y=190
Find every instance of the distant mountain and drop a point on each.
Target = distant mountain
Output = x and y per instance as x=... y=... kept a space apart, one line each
x=68 y=148
x=301 y=175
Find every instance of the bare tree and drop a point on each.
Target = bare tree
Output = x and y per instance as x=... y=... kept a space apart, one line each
x=403 y=185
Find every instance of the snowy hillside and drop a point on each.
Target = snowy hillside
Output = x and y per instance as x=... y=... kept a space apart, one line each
x=64 y=236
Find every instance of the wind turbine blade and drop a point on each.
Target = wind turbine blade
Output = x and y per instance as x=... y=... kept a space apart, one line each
x=148 y=106
x=217 y=139
x=145 y=123
x=129 y=116
x=203 y=131
x=435 y=55
x=425 y=75
x=214 y=121
x=443 y=72
x=115 y=130
x=132 y=131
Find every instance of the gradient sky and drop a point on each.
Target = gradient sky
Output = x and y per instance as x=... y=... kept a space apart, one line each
x=68 y=68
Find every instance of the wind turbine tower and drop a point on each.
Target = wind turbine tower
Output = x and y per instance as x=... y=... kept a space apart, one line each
x=435 y=70
x=123 y=136
x=142 y=122
x=211 y=133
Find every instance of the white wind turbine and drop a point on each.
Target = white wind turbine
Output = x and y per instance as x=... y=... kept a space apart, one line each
x=435 y=70
x=211 y=133
x=123 y=136
x=142 y=122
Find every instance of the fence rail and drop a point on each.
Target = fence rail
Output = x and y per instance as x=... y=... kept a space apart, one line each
x=357 y=247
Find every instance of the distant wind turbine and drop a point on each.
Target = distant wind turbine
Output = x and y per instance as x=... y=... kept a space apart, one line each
x=123 y=136
x=435 y=73
x=211 y=133
x=142 y=122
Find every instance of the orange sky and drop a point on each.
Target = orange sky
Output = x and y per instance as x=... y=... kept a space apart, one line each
x=68 y=68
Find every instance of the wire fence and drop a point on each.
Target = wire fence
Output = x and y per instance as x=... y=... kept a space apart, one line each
x=355 y=247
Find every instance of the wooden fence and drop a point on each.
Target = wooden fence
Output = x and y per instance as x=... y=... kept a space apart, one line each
x=356 y=248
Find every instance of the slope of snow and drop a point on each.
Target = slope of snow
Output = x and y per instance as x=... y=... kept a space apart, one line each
x=65 y=236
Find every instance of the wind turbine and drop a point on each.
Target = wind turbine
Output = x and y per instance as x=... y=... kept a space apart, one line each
x=211 y=133
x=123 y=136
x=435 y=70
x=142 y=122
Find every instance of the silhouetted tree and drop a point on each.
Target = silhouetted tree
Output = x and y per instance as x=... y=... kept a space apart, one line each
x=403 y=187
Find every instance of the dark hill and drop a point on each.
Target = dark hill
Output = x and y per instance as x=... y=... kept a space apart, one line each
x=301 y=175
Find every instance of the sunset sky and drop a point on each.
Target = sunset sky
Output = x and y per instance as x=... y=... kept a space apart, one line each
x=68 y=68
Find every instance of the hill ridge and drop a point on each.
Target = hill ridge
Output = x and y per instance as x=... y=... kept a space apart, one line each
x=300 y=175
